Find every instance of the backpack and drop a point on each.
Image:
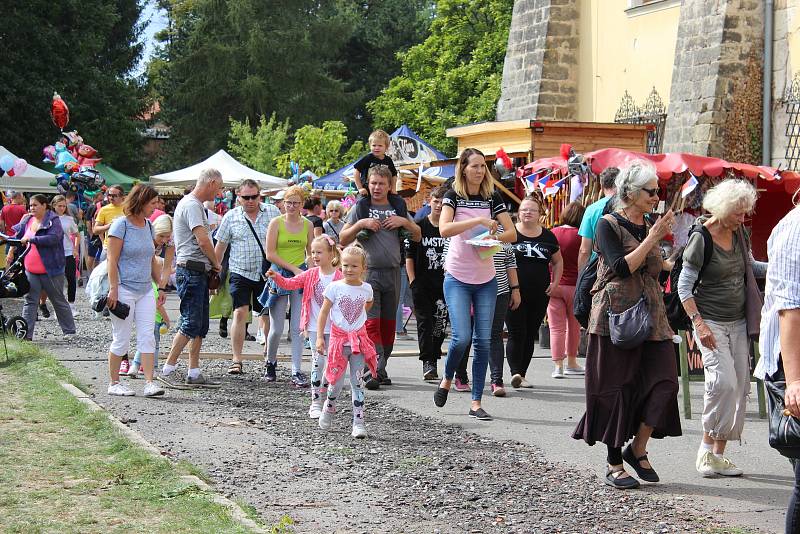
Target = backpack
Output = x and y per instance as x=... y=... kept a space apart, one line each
x=582 y=301
x=676 y=315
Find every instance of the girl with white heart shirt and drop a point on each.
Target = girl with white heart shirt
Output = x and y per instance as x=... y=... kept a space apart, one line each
x=346 y=304
x=314 y=282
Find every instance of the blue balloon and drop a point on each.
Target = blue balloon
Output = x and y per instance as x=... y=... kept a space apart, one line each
x=7 y=162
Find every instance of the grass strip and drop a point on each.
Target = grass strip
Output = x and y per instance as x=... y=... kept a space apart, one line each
x=65 y=469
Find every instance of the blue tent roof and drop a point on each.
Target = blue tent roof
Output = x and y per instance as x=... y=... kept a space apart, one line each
x=407 y=148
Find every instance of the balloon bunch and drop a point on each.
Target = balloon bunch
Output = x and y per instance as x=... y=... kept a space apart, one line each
x=73 y=159
x=13 y=166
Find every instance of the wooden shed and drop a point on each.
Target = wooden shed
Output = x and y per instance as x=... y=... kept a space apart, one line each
x=535 y=139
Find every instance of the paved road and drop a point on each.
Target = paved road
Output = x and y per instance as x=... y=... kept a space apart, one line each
x=546 y=415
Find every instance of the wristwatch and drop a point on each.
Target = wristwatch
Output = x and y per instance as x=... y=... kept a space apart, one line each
x=694 y=316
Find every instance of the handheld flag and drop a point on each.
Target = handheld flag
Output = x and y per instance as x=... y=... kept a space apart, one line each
x=690 y=185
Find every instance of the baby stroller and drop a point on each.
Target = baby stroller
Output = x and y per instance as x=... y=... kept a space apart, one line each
x=13 y=284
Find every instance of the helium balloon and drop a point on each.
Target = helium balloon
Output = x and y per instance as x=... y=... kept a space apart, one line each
x=20 y=166
x=10 y=172
x=7 y=162
x=59 y=111
x=62 y=156
x=49 y=153
x=86 y=151
x=71 y=166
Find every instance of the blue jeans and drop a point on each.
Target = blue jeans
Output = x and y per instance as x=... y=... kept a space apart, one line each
x=192 y=289
x=404 y=298
x=462 y=298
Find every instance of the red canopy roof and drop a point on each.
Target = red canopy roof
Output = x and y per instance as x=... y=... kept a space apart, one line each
x=672 y=163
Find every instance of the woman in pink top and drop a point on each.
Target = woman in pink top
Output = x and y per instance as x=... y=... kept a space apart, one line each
x=565 y=332
x=470 y=209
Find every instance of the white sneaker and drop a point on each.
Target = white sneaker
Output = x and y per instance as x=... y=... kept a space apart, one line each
x=525 y=384
x=316 y=409
x=359 y=430
x=121 y=390
x=558 y=372
x=69 y=337
x=326 y=420
x=260 y=337
x=74 y=311
x=133 y=372
x=152 y=390
x=723 y=466
x=705 y=463
x=575 y=371
x=516 y=380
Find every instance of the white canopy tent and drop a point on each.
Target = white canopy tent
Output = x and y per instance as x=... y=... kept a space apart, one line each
x=232 y=171
x=33 y=180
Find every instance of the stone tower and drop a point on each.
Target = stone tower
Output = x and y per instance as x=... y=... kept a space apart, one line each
x=540 y=78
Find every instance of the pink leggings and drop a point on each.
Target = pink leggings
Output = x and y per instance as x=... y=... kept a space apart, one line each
x=564 y=328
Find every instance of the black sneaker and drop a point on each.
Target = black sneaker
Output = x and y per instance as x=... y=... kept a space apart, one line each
x=372 y=383
x=223 y=327
x=480 y=414
x=44 y=310
x=385 y=380
x=270 y=374
x=249 y=337
x=429 y=371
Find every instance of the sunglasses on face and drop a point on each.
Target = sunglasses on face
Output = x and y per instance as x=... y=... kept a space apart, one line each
x=248 y=197
x=651 y=192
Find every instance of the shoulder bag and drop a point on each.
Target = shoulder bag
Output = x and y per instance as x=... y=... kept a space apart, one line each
x=265 y=265
x=784 y=430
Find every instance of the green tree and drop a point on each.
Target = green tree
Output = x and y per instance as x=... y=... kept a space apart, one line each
x=319 y=149
x=247 y=58
x=454 y=76
x=86 y=51
x=258 y=148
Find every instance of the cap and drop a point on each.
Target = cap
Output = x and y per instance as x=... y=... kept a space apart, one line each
x=278 y=195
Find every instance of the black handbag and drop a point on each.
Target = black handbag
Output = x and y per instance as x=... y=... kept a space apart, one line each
x=784 y=430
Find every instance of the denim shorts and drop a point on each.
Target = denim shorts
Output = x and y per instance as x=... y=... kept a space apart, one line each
x=245 y=292
x=192 y=289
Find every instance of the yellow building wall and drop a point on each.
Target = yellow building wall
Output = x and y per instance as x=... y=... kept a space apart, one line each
x=623 y=52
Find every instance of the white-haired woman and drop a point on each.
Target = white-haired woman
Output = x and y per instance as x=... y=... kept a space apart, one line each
x=630 y=392
x=335 y=222
x=715 y=303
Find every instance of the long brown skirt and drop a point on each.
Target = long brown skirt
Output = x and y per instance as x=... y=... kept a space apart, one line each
x=627 y=387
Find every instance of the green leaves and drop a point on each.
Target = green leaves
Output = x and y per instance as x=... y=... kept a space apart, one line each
x=454 y=76
x=258 y=148
x=320 y=149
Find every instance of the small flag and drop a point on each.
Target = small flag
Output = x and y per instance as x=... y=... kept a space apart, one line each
x=552 y=187
x=689 y=186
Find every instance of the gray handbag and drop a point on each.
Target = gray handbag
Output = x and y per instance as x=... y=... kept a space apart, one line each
x=630 y=328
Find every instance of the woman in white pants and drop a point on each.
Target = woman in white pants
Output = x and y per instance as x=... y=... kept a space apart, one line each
x=131 y=271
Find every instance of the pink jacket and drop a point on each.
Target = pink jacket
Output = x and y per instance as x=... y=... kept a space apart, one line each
x=305 y=281
x=360 y=343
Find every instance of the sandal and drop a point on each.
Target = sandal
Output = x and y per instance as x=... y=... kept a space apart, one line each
x=235 y=369
x=616 y=480
x=648 y=474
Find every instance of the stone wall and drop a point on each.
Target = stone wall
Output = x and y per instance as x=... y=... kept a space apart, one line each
x=714 y=42
x=540 y=75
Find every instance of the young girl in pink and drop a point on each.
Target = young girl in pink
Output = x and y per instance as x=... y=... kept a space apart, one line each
x=325 y=257
x=346 y=304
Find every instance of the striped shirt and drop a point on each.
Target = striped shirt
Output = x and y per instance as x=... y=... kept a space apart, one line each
x=782 y=289
x=246 y=256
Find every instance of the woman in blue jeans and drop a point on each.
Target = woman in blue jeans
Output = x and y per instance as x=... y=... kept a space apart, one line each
x=470 y=209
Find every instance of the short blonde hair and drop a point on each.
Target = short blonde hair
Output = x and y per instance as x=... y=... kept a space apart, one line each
x=460 y=180
x=335 y=204
x=730 y=196
x=162 y=225
x=357 y=250
x=380 y=135
x=295 y=191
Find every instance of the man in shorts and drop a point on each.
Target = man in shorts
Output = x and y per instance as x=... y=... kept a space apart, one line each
x=244 y=229
x=195 y=259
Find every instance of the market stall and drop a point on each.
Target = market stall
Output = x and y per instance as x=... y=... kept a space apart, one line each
x=232 y=171
x=31 y=180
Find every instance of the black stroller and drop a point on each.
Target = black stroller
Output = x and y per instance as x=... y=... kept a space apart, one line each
x=14 y=284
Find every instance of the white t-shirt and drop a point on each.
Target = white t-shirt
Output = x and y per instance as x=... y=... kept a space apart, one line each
x=70 y=228
x=348 y=312
x=316 y=302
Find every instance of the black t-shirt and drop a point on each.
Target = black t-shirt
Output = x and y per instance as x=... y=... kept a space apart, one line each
x=533 y=255
x=428 y=256
x=367 y=162
x=610 y=245
x=316 y=222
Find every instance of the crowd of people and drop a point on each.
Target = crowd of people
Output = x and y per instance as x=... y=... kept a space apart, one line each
x=336 y=276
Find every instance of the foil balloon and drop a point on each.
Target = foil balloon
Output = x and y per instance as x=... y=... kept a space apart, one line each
x=71 y=166
x=59 y=111
x=7 y=162
x=62 y=157
x=49 y=153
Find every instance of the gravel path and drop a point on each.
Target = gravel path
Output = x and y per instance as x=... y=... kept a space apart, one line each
x=412 y=474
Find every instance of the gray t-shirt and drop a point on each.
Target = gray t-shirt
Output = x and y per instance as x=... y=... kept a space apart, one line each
x=189 y=214
x=136 y=255
x=721 y=293
x=384 y=246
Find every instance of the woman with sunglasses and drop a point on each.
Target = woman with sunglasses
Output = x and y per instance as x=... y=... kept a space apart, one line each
x=630 y=392
x=333 y=224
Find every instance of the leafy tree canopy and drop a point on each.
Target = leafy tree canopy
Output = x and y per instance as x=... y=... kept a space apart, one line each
x=258 y=147
x=320 y=149
x=85 y=51
x=454 y=76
